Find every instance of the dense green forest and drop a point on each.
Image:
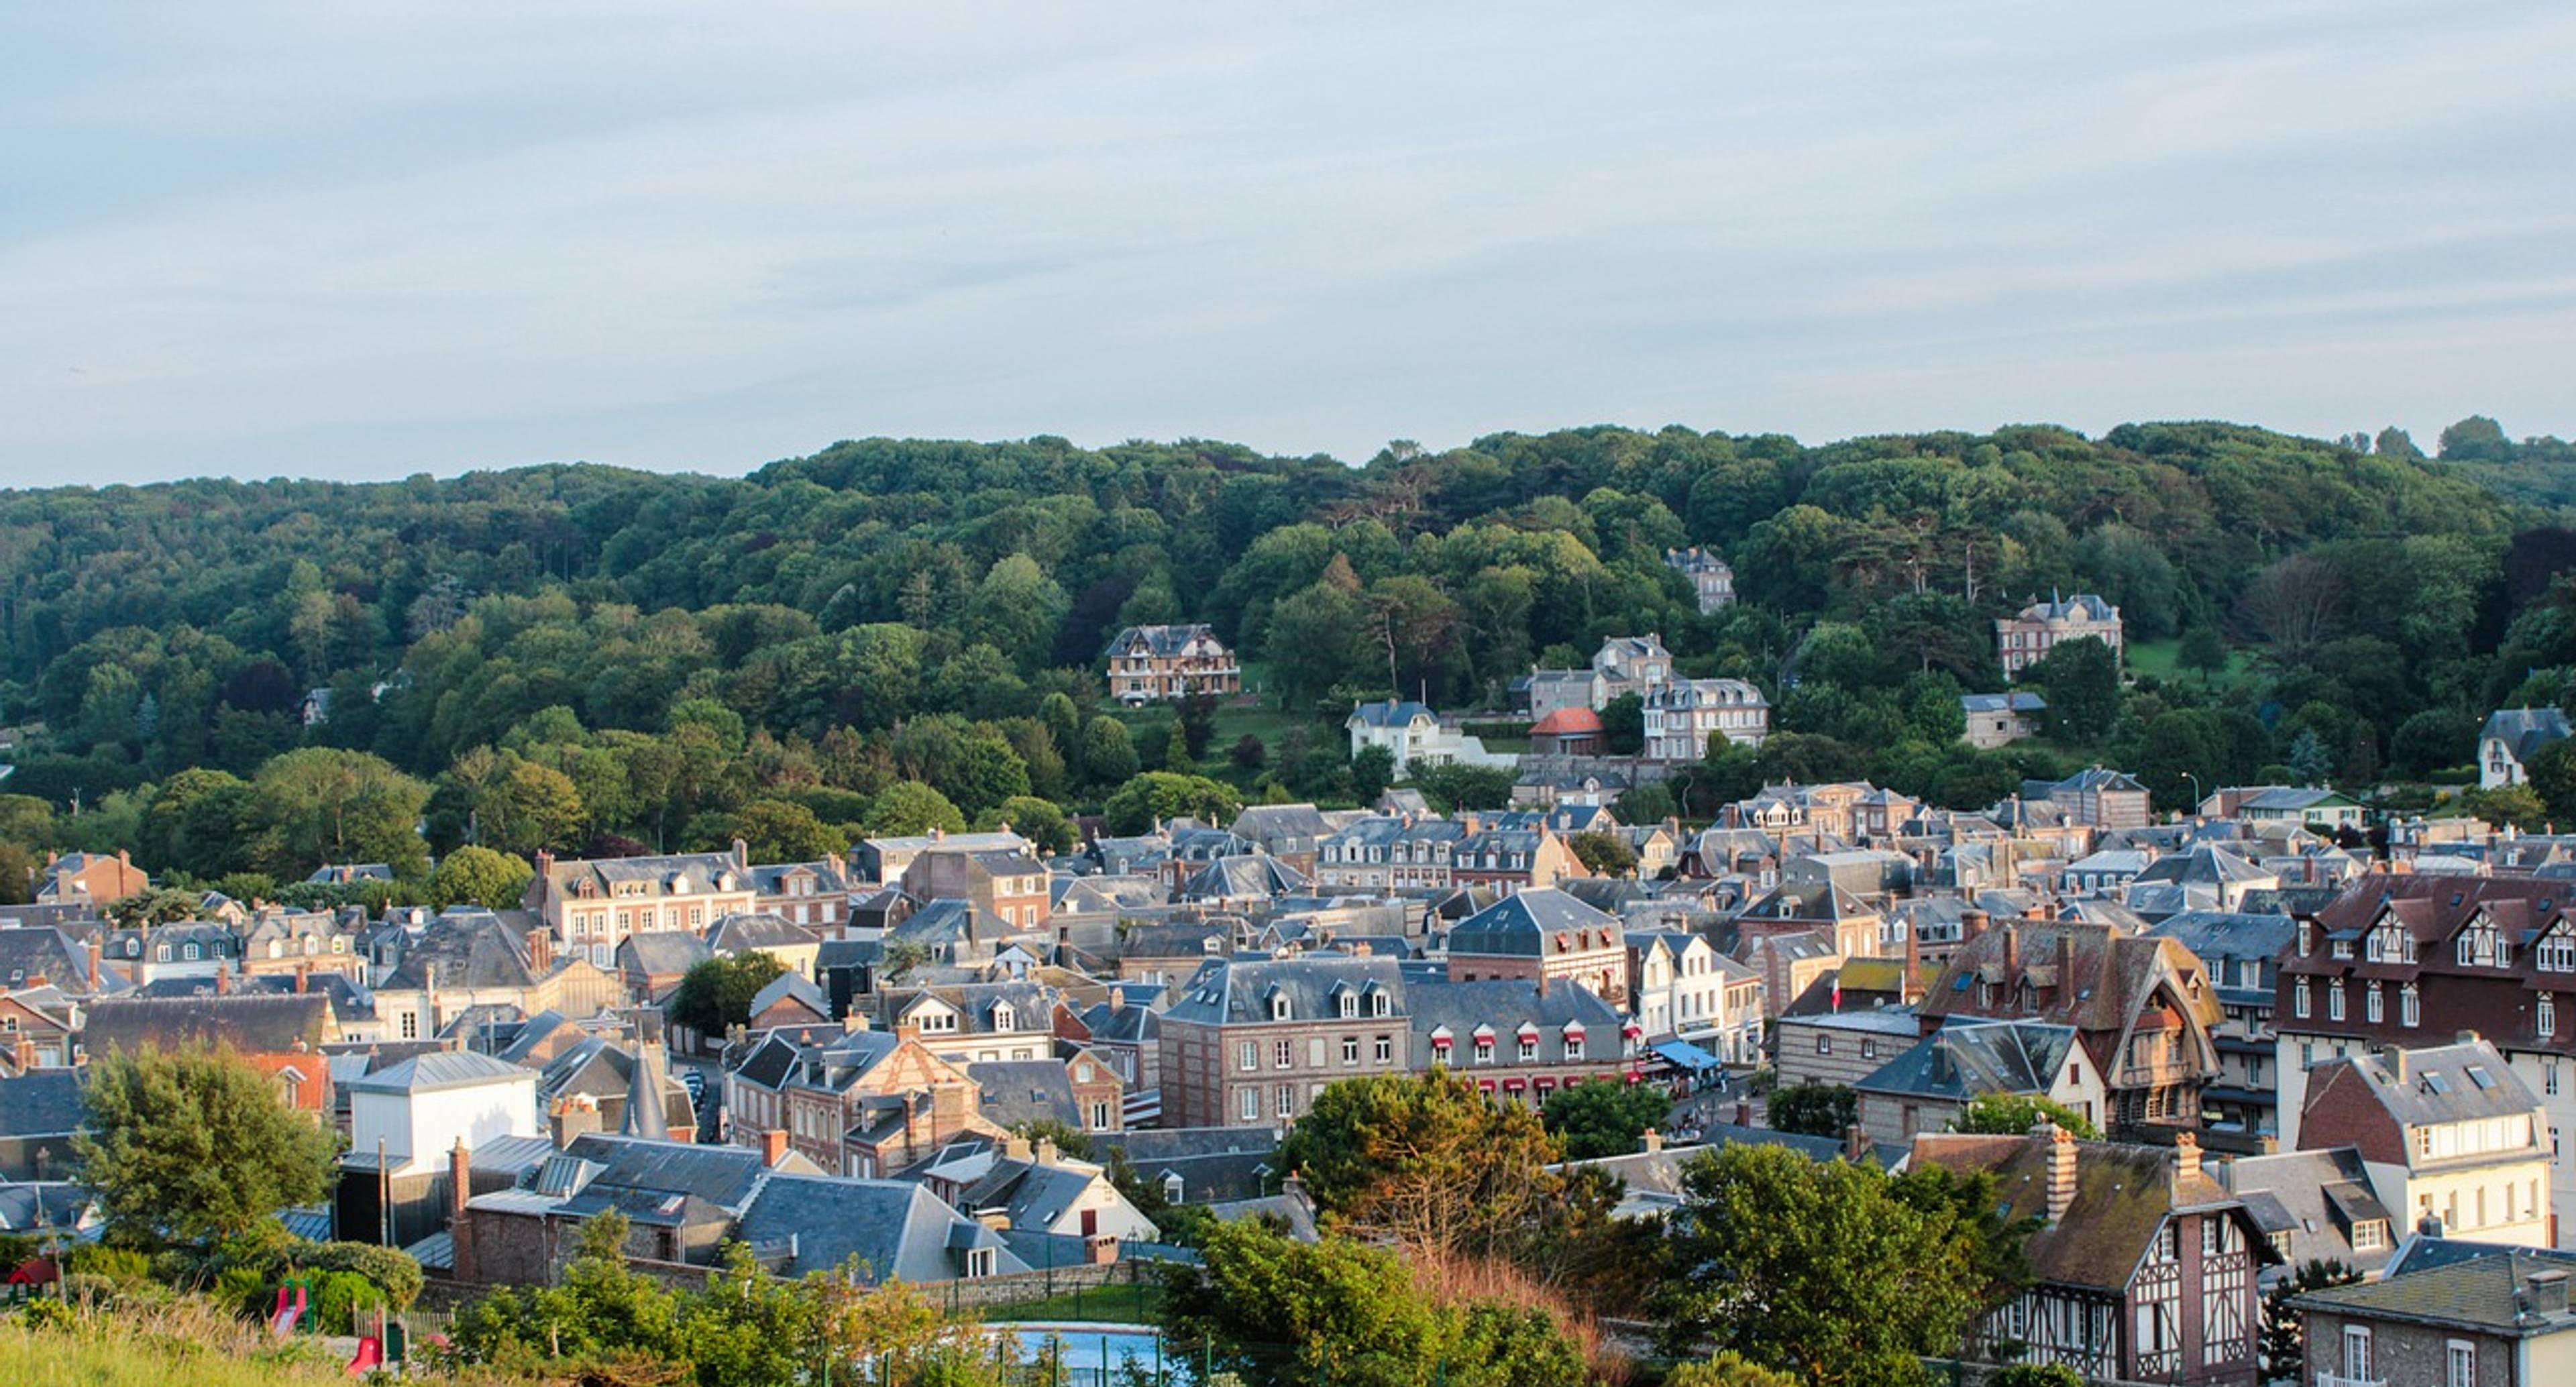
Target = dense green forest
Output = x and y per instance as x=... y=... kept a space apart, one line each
x=893 y=633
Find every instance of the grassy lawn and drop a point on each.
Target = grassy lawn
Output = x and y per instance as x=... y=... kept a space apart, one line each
x=1141 y=1304
x=2157 y=658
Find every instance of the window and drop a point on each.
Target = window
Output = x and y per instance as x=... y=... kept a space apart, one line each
x=2299 y=998
x=2544 y=1014
x=1247 y=1055
x=1279 y=1008
x=2356 y=1350
x=1287 y=1105
x=1824 y=1044
x=1378 y=1005
x=1484 y=1049
x=1350 y=1049
x=1249 y=1105
x=2463 y=1360
x=2371 y=1005
x=2369 y=1235
x=1346 y=1005
x=2410 y=1006
x=2334 y=1000
x=1573 y=1048
x=1282 y=1054
x=410 y=1025
x=2549 y=1078
x=1529 y=1049
x=1386 y=1049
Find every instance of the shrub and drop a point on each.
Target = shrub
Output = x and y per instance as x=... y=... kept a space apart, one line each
x=124 y=1266
x=336 y=1296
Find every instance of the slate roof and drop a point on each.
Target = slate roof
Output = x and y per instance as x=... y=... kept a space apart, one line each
x=1265 y=822
x=475 y=951
x=787 y=985
x=1215 y=1163
x=1532 y=924
x=1237 y=991
x=1022 y=1091
x=1506 y=1005
x=2442 y=1083
x=1245 y=876
x=758 y=930
x=252 y=1024
x=771 y=879
x=1160 y=642
x=1968 y=1060
x=726 y=1177
x=2315 y=1197
x=895 y=1231
x=2083 y=606
x=444 y=1070
x=1390 y=713
x=2019 y=701
x=2480 y=1293
x=41 y=952
x=2524 y=731
x=42 y=1104
x=2123 y=1194
x=658 y=952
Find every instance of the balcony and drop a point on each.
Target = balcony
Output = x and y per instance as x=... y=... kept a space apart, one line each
x=2327 y=1379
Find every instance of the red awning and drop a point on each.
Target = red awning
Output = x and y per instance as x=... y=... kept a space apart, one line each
x=1439 y=1042
x=1484 y=1085
x=1515 y=1085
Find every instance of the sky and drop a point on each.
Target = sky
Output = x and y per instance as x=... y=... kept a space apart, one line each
x=361 y=241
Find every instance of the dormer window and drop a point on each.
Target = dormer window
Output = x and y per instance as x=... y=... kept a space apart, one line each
x=1279 y=1008
x=1346 y=1004
x=1003 y=1017
x=277 y=948
x=1378 y=1004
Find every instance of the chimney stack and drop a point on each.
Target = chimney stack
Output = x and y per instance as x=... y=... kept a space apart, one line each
x=2186 y=1163
x=2549 y=1292
x=1913 y=962
x=2397 y=1065
x=1653 y=1140
x=223 y=982
x=1743 y=1112
x=303 y=977
x=1043 y=1152
x=2061 y=1172
x=94 y=952
x=2065 y=967
x=2012 y=957
x=1855 y=1144
x=773 y=1147
x=460 y=1230
x=1972 y=923
x=573 y=1118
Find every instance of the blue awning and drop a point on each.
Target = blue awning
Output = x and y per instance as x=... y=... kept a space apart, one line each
x=1687 y=1055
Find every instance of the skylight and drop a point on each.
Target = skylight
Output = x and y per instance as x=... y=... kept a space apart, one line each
x=2479 y=1076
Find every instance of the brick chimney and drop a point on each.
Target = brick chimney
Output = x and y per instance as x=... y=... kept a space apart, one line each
x=223 y=982
x=2548 y=1291
x=2061 y=1172
x=741 y=855
x=1913 y=963
x=1043 y=1151
x=1855 y=1144
x=773 y=1147
x=541 y=949
x=1652 y=1140
x=1972 y=923
x=2186 y=1157
x=2012 y=957
x=2066 y=988
x=460 y=1228
x=95 y=951
x=572 y=1118
x=304 y=977
x=1100 y=1249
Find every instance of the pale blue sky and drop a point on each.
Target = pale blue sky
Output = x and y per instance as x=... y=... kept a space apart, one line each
x=361 y=240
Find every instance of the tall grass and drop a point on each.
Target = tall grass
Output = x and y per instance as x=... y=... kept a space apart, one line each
x=183 y=1342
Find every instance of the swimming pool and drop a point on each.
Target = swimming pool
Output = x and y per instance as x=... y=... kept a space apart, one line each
x=1104 y=1355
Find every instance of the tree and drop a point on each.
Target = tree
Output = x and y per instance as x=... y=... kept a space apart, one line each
x=1372 y=770
x=2082 y=678
x=195 y=1145
x=1623 y=725
x=1107 y=755
x=2203 y=651
x=2285 y=1329
x=778 y=831
x=2552 y=776
x=1822 y=1270
x=2309 y=763
x=1249 y=753
x=322 y=805
x=1453 y=786
x=1728 y=1369
x=479 y=876
x=1424 y=1159
x=1196 y=721
x=910 y=809
x=1598 y=1118
x=2296 y=606
x=715 y=995
x=1159 y=796
x=2014 y=1114
x=1281 y=1313
x=1042 y=822
x=2475 y=439
x=1604 y=854
x=1069 y=1140
x=2515 y=805
x=1815 y=1110
x=2394 y=442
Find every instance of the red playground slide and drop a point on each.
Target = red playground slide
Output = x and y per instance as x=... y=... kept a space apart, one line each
x=281 y=1321
x=371 y=1355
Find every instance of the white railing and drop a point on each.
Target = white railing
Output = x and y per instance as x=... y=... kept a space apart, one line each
x=2327 y=1379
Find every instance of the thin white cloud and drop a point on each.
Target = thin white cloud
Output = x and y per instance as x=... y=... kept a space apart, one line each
x=374 y=239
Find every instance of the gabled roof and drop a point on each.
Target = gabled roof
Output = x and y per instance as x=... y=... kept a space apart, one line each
x=791 y=985
x=1530 y=924
x=2123 y=1195
x=43 y=1104
x=446 y=1069
x=658 y=952
x=891 y=1230
x=742 y=931
x=1022 y=1091
x=1159 y=642
x=1967 y=1060
x=2524 y=731
x=1237 y=991
x=2485 y=1293
x=2018 y=701
x=251 y=1024
x=1390 y=713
